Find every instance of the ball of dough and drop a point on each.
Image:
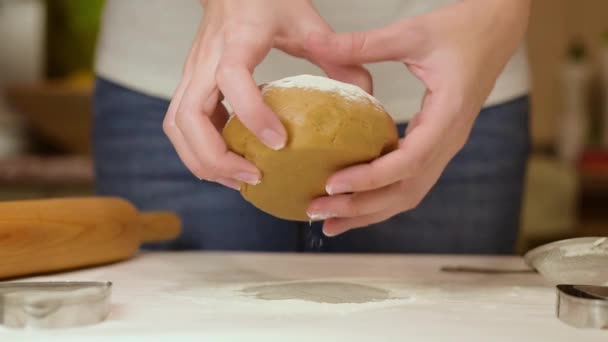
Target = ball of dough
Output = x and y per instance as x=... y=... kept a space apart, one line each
x=330 y=125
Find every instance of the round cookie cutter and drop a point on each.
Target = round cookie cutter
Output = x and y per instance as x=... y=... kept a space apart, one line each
x=582 y=261
x=583 y=306
x=53 y=304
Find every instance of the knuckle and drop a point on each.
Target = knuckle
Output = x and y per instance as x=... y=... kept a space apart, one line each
x=168 y=126
x=358 y=43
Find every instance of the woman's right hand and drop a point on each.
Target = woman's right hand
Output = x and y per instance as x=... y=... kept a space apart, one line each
x=233 y=38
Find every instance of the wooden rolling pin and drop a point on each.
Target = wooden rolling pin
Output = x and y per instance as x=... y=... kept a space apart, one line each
x=42 y=236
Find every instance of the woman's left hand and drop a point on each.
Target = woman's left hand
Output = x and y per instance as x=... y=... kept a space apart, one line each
x=458 y=52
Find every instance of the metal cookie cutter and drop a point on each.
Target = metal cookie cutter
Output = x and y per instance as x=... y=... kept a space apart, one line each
x=53 y=304
x=583 y=306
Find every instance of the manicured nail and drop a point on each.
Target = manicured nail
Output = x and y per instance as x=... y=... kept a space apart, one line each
x=249 y=178
x=273 y=139
x=320 y=216
x=339 y=188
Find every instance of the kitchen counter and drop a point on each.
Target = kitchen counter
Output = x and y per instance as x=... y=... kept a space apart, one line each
x=307 y=297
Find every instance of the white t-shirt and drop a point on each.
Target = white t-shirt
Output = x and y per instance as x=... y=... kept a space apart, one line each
x=143 y=45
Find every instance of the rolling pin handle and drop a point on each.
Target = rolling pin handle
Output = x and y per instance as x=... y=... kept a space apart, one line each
x=159 y=226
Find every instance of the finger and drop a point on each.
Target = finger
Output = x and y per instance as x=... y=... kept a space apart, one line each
x=202 y=136
x=357 y=204
x=391 y=43
x=417 y=151
x=337 y=226
x=169 y=124
x=234 y=78
x=177 y=140
x=406 y=195
x=415 y=154
x=214 y=160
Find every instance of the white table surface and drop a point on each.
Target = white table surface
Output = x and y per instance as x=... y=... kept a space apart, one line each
x=203 y=297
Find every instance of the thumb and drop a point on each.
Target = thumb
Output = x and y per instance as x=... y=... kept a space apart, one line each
x=390 y=43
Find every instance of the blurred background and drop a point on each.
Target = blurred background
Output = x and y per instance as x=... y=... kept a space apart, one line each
x=46 y=81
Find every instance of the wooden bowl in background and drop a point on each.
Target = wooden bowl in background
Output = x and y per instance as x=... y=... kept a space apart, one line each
x=60 y=111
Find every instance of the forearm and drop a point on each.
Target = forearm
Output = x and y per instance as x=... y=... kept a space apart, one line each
x=499 y=25
x=506 y=15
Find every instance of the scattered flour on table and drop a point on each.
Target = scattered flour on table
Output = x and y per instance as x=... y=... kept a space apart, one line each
x=293 y=297
x=285 y=299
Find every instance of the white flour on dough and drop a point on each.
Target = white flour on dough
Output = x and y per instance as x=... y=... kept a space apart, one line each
x=348 y=91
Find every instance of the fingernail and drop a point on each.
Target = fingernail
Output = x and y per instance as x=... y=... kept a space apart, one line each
x=273 y=139
x=320 y=216
x=249 y=178
x=339 y=188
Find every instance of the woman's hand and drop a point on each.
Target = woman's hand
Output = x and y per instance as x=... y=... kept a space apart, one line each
x=233 y=38
x=458 y=52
